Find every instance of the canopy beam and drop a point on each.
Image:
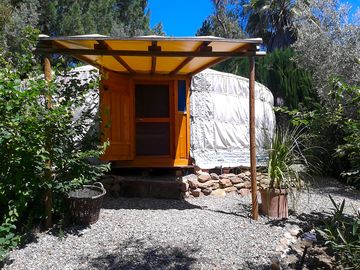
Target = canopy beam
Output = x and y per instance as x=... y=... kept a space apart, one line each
x=187 y=60
x=117 y=58
x=151 y=53
x=153 y=47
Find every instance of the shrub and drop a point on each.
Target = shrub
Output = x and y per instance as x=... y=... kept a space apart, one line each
x=31 y=135
x=334 y=125
x=342 y=233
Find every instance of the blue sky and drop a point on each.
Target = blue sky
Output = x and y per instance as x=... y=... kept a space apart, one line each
x=179 y=17
x=184 y=17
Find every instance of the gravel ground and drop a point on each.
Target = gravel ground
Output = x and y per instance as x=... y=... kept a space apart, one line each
x=196 y=233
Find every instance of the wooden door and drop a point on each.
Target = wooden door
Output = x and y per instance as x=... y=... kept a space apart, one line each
x=153 y=120
x=117 y=113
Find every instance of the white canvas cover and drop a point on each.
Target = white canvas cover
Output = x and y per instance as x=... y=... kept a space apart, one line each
x=219 y=120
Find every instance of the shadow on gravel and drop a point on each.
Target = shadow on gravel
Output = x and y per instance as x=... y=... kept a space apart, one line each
x=256 y=266
x=243 y=210
x=304 y=220
x=146 y=203
x=330 y=186
x=134 y=254
x=62 y=232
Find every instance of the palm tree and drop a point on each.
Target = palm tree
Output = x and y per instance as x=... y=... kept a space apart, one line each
x=272 y=20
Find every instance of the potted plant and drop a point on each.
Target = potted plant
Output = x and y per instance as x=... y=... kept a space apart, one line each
x=285 y=159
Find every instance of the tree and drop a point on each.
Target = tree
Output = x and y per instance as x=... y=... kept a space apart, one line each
x=68 y=17
x=224 y=22
x=134 y=16
x=328 y=44
x=271 y=20
x=290 y=85
x=329 y=47
x=158 y=29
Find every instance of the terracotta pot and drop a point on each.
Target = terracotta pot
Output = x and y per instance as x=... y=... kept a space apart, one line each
x=274 y=203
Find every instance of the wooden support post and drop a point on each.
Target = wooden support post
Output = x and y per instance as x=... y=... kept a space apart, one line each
x=255 y=210
x=48 y=175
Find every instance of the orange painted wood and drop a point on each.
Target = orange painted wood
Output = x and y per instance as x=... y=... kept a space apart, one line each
x=117 y=103
x=117 y=112
x=181 y=127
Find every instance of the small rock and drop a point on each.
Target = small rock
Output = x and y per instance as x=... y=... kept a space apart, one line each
x=244 y=192
x=189 y=177
x=219 y=193
x=204 y=177
x=186 y=194
x=195 y=192
x=214 y=176
x=265 y=181
x=225 y=183
x=258 y=178
x=226 y=175
x=294 y=231
x=230 y=189
x=236 y=180
x=247 y=184
x=205 y=185
x=193 y=184
x=241 y=175
x=216 y=185
x=246 y=178
x=247 y=173
x=240 y=185
x=184 y=187
x=199 y=171
x=207 y=191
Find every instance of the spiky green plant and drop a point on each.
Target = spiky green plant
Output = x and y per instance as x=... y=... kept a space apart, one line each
x=285 y=158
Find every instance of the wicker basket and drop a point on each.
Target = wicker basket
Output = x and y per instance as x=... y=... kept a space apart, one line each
x=85 y=203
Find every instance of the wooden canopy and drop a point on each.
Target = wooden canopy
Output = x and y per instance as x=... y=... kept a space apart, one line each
x=150 y=55
x=160 y=56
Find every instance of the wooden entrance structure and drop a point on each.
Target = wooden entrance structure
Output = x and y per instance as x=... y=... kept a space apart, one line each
x=144 y=93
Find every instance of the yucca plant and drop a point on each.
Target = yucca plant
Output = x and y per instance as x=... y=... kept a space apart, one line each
x=286 y=158
x=287 y=164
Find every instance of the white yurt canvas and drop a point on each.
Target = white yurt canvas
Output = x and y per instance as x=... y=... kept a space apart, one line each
x=219 y=120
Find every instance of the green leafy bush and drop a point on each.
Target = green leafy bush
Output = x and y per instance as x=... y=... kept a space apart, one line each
x=334 y=126
x=342 y=233
x=31 y=135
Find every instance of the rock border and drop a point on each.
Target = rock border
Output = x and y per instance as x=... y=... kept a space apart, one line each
x=205 y=183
